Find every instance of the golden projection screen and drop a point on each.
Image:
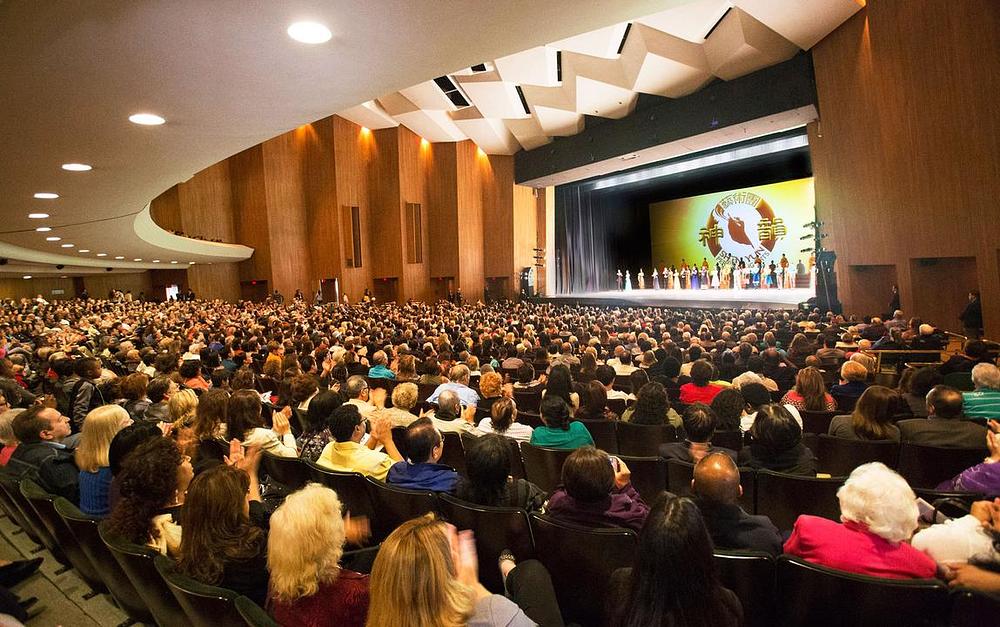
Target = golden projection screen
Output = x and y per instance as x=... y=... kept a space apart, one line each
x=762 y=222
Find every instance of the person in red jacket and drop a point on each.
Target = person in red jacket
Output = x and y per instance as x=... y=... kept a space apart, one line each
x=878 y=513
x=699 y=390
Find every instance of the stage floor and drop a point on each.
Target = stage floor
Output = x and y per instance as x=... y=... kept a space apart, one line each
x=701 y=299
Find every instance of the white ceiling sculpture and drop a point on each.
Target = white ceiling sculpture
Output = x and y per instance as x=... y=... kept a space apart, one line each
x=524 y=100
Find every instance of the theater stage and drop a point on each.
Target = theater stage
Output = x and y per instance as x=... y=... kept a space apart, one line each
x=699 y=299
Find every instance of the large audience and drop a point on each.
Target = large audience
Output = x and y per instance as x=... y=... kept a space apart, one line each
x=155 y=418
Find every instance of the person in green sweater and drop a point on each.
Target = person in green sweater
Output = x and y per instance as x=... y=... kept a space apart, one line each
x=558 y=431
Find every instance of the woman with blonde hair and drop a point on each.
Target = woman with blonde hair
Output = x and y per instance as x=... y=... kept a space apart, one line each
x=91 y=457
x=306 y=542
x=426 y=574
x=809 y=393
x=182 y=407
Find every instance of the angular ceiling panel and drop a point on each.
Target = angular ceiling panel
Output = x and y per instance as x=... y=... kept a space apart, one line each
x=493 y=97
x=536 y=66
x=489 y=134
x=602 y=42
x=741 y=44
x=529 y=132
x=691 y=21
x=661 y=64
x=785 y=17
x=369 y=115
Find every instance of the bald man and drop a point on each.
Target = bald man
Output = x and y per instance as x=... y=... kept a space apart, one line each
x=945 y=425
x=716 y=489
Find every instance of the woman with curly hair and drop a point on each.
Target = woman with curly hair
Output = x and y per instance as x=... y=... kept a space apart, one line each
x=153 y=479
x=652 y=407
x=223 y=543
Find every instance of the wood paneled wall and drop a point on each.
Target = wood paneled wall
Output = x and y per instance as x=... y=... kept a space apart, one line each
x=905 y=156
x=286 y=198
x=99 y=285
x=18 y=288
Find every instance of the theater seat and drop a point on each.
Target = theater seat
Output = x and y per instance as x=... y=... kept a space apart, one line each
x=11 y=509
x=927 y=466
x=643 y=440
x=543 y=466
x=782 y=498
x=815 y=595
x=733 y=440
x=137 y=563
x=845 y=404
x=31 y=524
x=603 y=432
x=205 y=606
x=497 y=528
x=290 y=472
x=454 y=452
x=253 y=614
x=817 y=421
x=751 y=575
x=351 y=488
x=972 y=608
x=839 y=456
x=528 y=401
x=649 y=476
x=580 y=561
x=393 y=506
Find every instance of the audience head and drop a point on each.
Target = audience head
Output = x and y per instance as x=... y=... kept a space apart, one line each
x=182 y=407
x=210 y=414
x=606 y=375
x=728 y=407
x=525 y=373
x=555 y=412
x=755 y=394
x=320 y=408
x=593 y=401
x=560 y=383
x=490 y=385
x=423 y=442
x=924 y=379
x=699 y=422
x=356 y=388
x=879 y=499
x=503 y=414
x=153 y=477
x=944 y=402
x=651 y=405
x=99 y=429
x=459 y=373
x=717 y=479
x=809 y=384
x=701 y=372
x=853 y=371
x=774 y=429
x=873 y=413
x=986 y=377
x=7 y=436
x=243 y=413
x=449 y=405
x=345 y=424
x=127 y=440
x=588 y=475
x=404 y=396
x=487 y=461
x=39 y=424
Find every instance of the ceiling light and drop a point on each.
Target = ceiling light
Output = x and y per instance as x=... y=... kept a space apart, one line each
x=629 y=157
x=173 y=262
x=27 y=276
x=156 y=261
x=190 y=263
x=64 y=277
x=83 y=250
x=309 y=32
x=102 y=254
x=137 y=259
x=119 y=257
x=146 y=119
x=52 y=238
x=66 y=245
x=46 y=195
x=76 y=167
x=38 y=216
x=44 y=229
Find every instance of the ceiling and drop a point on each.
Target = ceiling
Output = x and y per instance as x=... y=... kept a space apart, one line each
x=226 y=76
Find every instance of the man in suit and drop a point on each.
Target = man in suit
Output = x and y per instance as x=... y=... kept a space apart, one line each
x=716 y=489
x=945 y=424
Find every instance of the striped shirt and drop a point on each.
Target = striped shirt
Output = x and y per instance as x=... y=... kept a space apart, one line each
x=983 y=403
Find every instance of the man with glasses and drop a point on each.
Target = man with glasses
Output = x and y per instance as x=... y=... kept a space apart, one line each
x=360 y=395
x=421 y=471
x=347 y=454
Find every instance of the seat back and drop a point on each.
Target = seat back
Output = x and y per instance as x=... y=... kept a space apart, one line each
x=393 y=506
x=205 y=606
x=351 y=488
x=927 y=466
x=580 y=561
x=782 y=497
x=528 y=401
x=11 y=509
x=497 y=528
x=84 y=529
x=617 y=405
x=643 y=440
x=44 y=505
x=839 y=456
x=603 y=432
x=531 y=418
x=751 y=575
x=816 y=421
x=253 y=614
x=454 y=452
x=649 y=476
x=960 y=381
x=814 y=595
x=845 y=404
x=543 y=466
x=680 y=474
x=424 y=390
x=973 y=608
x=137 y=563
x=25 y=517
x=733 y=440
x=290 y=472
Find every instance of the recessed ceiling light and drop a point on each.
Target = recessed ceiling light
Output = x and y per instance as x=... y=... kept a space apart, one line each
x=83 y=250
x=38 y=216
x=629 y=157
x=52 y=238
x=190 y=263
x=146 y=119
x=66 y=245
x=156 y=261
x=76 y=167
x=46 y=195
x=119 y=257
x=173 y=262
x=102 y=254
x=27 y=276
x=309 y=32
x=44 y=229
x=64 y=277
x=137 y=259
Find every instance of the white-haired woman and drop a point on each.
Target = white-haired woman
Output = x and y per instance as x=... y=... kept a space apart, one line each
x=304 y=547
x=878 y=513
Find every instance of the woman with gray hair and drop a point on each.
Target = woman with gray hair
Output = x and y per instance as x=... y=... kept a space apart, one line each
x=878 y=513
x=984 y=401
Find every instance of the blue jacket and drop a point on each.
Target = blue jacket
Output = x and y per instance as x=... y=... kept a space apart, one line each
x=380 y=372
x=424 y=476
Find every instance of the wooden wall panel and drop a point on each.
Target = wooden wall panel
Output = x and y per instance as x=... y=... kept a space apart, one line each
x=98 y=285
x=905 y=156
x=469 y=177
x=352 y=152
x=246 y=171
x=320 y=185
x=525 y=225
x=18 y=288
x=442 y=210
x=414 y=165
x=385 y=231
x=206 y=205
x=165 y=210
x=498 y=214
x=286 y=211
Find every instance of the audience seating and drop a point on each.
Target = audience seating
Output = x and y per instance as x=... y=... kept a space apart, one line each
x=960 y=380
x=649 y=476
x=527 y=401
x=424 y=390
x=782 y=497
x=733 y=440
x=927 y=466
x=17 y=516
x=531 y=418
x=972 y=608
x=580 y=561
x=392 y=506
x=253 y=614
x=43 y=504
x=399 y=439
x=13 y=489
x=604 y=434
x=288 y=471
x=137 y=563
x=543 y=466
x=497 y=528
x=454 y=452
x=817 y=421
x=815 y=595
x=205 y=606
x=845 y=404
x=839 y=456
x=950 y=503
x=351 y=487
x=751 y=575
x=85 y=530
x=617 y=405
x=811 y=441
x=643 y=440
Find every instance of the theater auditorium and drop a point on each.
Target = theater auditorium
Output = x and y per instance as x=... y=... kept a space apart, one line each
x=408 y=313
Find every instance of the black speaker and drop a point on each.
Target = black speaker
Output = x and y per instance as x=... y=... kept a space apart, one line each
x=60 y=266
x=3 y=261
x=108 y=269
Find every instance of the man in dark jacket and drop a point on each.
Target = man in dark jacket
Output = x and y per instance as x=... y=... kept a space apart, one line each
x=421 y=471
x=41 y=455
x=945 y=425
x=716 y=489
x=972 y=316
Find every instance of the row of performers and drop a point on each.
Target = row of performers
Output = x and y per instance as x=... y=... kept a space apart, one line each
x=756 y=276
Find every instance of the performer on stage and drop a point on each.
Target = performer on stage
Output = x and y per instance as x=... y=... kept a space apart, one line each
x=641 y=280
x=685 y=279
x=668 y=278
x=695 y=282
x=773 y=275
x=618 y=279
x=656 y=279
x=706 y=282
x=676 y=276
x=628 y=280
x=717 y=277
